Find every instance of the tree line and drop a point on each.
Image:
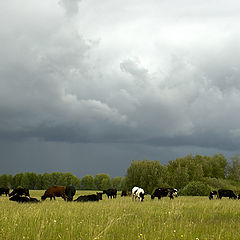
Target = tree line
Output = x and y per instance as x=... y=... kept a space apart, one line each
x=31 y=180
x=192 y=173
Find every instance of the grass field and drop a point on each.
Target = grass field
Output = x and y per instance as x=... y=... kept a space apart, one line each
x=182 y=218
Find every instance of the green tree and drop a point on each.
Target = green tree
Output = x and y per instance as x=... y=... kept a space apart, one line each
x=116 y=182
x=76 y=182
x=145 y=174
x=219 y=166
x=40 y=184
x=197 y=173
x=17 y=180
x=196 y=188
x=124 y=183
x=102 y=181
x=55 y=176
x=181 y=177
x=234 y=168
x=61 y=180
x=29 y=180
x=46 y=180
x=4 y=180
x=87 y=182
x=70 y=179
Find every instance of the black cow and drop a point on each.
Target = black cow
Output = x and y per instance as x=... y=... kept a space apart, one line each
x=212 y=194
x=226 y=193
x=111 y=192
x=19 y=192
x=164 y=192
x=124 y=193
x=89 y=198
x=20 y=199
x=4 y=190
x=70 y=192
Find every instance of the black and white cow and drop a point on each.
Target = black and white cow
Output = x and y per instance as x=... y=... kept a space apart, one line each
x=164 y=192
x=212 y=194
x=111 y=192
x=89 y=198
x=4 y=190
x=226 y=193
x=25 y=199
x=138 y=192
x=19 y=192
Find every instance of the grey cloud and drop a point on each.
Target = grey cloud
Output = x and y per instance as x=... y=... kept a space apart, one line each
x=71 y=6
x=204 y=139
x=110 y=78
x=134 y=68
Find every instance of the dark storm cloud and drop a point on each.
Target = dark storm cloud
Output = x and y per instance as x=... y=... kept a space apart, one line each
x=204 y=140
x=160 y=75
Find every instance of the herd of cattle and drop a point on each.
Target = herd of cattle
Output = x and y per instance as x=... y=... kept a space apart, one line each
x=67 y=192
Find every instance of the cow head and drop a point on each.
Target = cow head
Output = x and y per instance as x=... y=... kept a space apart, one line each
x=43 y=197
x=175 y=192
x=141 y=196
x=99 y=195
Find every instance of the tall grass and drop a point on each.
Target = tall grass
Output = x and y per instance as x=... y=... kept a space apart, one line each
x=121 y=218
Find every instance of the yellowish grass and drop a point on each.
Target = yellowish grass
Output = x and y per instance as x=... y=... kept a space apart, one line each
x=183 y=218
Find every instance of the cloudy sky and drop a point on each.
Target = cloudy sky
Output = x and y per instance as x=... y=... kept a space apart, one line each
x=88 y=86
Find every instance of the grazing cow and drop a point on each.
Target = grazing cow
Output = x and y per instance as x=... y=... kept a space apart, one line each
x=89 y=198
x=212 y=194
x=19 y=199
x=164 y=192
x=55 y=191
x=70 y=192
x=20 y=192
x=226 y=193
x=4 y=190
x=138 y=192
x=111 y=192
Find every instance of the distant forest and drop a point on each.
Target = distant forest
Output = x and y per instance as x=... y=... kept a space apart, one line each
x=191 y=175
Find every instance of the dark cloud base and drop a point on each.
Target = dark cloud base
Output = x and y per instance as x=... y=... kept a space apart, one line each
x=80 y=159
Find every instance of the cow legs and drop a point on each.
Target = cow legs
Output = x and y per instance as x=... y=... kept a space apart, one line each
x=64 y=197
x=134 y=198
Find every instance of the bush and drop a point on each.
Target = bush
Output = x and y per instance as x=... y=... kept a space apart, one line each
x=216 y=183
x=196 y=188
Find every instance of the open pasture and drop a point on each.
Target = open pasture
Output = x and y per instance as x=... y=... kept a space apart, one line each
x=182 y=218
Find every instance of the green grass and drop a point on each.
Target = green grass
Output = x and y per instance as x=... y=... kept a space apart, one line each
x=183 y=218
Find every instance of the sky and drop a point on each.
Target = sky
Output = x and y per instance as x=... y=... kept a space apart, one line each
x=88 y=86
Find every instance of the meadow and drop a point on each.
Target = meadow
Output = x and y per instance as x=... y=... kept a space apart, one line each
x=194 y=218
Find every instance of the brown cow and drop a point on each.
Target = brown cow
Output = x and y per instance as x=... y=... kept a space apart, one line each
x=55 y=191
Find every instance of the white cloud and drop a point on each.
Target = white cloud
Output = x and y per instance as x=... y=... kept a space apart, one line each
x=71 y=6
